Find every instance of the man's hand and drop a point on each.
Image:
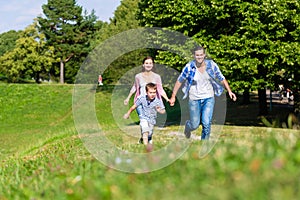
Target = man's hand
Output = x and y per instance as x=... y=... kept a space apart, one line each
x=172 y=101
x=232 y=96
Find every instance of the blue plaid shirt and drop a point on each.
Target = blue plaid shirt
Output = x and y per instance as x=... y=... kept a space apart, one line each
x=212 y=69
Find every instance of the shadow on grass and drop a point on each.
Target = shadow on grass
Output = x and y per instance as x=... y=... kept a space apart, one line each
x=237 y=113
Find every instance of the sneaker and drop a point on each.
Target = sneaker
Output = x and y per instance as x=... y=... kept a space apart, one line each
x=141 y=141
x=150 y=139
x=186 y=132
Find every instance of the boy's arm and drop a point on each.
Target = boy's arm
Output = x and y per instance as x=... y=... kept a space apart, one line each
x=160 y=110
x=132 y=108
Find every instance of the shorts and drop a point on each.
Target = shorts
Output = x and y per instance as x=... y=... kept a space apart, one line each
x=146 y=127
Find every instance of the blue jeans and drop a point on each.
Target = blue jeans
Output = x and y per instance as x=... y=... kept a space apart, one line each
x=201 y=111
x=139 y=110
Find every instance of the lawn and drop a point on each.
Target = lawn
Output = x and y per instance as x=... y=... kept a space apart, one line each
x=44 y=157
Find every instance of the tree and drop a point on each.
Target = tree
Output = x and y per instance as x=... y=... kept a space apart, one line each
x=69 y=30
x=29 y=58
x=124 y=19
x=8 y=41
x=252 y=41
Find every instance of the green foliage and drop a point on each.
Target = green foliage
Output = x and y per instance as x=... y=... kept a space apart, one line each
x=30 y=58
x=70 y=31
x=124 y=19
x=8 y=41
x=252 y=41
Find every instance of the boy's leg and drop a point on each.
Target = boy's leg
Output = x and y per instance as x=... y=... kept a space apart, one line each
x=145 y=137
x=150 y=133
x=145 y=129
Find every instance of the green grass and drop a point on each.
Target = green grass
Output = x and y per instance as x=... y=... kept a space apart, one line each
x=43 y=157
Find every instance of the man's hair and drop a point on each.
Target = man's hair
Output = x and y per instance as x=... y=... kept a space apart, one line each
x=197 y=48
x=150 y=86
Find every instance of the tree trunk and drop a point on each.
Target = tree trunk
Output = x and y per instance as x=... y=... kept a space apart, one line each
x=37 y=77
x=246 y=97
x=61 y=80
x=262 y=98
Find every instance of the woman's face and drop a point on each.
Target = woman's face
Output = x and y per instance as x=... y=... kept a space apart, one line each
x=148 y=65
x=199 y=56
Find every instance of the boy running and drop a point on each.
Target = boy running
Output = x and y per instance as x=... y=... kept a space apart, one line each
x=150 y=106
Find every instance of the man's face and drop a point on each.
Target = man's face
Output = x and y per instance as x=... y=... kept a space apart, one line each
x=151 y=93
x=199 y=56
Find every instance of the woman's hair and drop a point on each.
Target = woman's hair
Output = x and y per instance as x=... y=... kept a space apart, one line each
x=147 y=58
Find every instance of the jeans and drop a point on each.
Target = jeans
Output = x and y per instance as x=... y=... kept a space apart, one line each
x=139 y=109
x=201 y=111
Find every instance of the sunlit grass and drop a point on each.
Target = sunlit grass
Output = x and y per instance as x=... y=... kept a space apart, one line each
x=49 y=160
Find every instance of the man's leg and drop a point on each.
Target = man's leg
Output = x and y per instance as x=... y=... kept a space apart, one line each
x=207 y=108
x=193 y=123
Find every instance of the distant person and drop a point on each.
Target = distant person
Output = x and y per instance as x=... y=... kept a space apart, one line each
x=203 y=79
x=149 y=105
x=100 y=80
x=146 y=76
x=289 y=94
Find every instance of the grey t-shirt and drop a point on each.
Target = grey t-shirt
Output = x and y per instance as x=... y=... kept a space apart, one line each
x=201 y=87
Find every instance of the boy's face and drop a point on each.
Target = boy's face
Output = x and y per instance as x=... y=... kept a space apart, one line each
x=151 y=93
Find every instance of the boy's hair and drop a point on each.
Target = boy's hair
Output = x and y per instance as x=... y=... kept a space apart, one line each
x=150 y=85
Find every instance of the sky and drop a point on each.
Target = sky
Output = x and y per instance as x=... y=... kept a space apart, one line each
x=18 y=14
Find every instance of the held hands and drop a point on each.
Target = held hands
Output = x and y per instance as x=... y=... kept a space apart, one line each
x=172 y=101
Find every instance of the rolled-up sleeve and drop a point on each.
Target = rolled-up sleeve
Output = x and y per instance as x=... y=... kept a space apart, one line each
x=183 y=76
x=218 y=73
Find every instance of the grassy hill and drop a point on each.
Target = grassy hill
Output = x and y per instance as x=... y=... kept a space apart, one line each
x=43 y=156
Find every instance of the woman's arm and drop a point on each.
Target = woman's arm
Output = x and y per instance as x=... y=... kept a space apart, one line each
x=160 y=89
x=132 y=91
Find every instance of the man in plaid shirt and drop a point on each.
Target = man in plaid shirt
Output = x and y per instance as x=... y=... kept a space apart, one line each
x=203 y=79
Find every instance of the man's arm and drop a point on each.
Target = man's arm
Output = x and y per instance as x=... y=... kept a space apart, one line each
x=175 y=90
x=230 y=93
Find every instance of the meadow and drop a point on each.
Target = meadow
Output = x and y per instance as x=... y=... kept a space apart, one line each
x=44 y=157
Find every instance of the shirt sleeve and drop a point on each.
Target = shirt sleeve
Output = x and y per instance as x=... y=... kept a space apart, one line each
x=160 y=104
x=133 y=88
x=138 y=101
x=217 y=71
x=160 y=88
x=137 y=86
x=183 y=76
